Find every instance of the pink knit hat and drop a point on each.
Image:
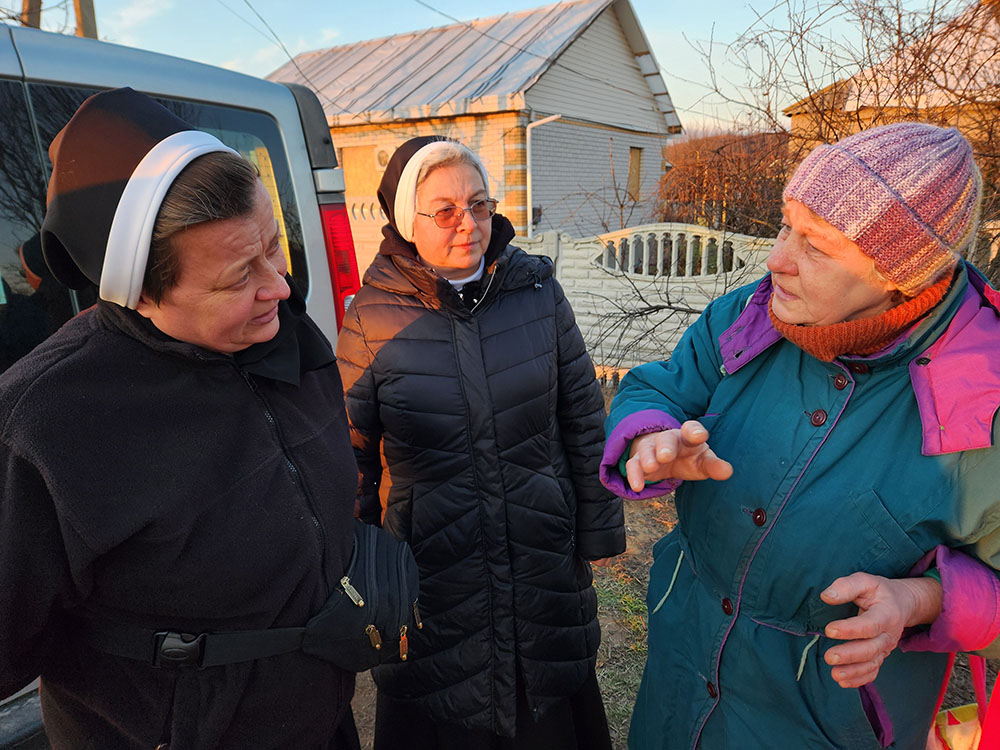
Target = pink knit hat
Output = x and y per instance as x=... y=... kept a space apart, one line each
x=907 y=194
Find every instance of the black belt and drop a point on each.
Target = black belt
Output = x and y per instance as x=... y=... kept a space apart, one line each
x=170 y=648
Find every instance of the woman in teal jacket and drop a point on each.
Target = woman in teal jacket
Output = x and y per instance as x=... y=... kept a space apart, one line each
x=839 y=414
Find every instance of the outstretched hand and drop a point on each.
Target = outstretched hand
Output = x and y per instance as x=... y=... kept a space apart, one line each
x=886 y=606
x=680 y=453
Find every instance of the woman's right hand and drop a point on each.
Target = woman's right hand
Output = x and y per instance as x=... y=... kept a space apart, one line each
x=681 y=453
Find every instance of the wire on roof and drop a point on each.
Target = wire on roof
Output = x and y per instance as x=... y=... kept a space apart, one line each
x=554 y=63
x=305 y=77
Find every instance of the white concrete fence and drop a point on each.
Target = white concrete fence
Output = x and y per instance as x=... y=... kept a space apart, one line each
x=635 y=291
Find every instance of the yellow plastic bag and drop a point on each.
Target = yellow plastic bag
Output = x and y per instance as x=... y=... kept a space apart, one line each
x=974 y=726
x=956 y=729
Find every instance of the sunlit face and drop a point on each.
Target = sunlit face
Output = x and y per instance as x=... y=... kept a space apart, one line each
x=231 y=277
x=454 y=253
x=819 y=276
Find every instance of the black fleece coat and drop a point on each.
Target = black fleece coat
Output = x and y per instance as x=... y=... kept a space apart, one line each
x=490 y=420
x=156 y=483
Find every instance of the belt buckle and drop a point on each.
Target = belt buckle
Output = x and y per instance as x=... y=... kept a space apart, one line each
x=172 y=649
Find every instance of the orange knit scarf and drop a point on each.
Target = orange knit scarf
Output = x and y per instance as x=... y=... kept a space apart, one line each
x=862 y=336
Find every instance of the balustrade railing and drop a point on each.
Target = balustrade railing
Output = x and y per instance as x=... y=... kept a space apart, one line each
x=679 y=250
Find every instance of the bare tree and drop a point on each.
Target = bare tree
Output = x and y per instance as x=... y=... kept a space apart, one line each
x=56 y=17
x=728 y=181
x=721 y=186
x=835 y=67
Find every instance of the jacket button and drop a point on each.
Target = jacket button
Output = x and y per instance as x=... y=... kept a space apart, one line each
x=759 y=517
x=818 y=418
x=840 y=382
x=727 y=606
x=712 y=692
x=859 y=367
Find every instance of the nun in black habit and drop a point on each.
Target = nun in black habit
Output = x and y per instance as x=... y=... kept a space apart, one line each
x=174 y=460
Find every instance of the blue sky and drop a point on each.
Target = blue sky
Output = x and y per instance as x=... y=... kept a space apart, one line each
x=228 y=33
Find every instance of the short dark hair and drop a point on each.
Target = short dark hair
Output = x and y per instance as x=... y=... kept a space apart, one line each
x=218 y=185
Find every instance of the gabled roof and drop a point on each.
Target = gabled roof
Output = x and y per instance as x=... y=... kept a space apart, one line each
x=484 y=65
x=958 y=62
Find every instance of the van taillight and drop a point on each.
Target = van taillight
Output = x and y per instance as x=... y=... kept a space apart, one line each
x=340 y=256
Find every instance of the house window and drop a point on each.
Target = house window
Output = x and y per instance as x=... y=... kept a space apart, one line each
x=634 y=172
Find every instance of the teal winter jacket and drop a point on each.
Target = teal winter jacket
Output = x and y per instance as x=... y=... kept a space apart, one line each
x=872 y=464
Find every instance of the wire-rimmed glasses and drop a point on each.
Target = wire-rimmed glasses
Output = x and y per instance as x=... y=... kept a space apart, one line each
x=451 y=216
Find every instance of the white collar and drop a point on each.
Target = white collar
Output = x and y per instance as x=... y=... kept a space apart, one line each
x=476 y=276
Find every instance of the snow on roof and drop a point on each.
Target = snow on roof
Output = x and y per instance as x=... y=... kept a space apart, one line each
x=484 y=65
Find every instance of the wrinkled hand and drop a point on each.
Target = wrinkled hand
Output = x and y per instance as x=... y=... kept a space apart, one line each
x=674 y=454
x=886 y=606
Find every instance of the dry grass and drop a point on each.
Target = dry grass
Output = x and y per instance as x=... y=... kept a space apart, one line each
x=622 y=655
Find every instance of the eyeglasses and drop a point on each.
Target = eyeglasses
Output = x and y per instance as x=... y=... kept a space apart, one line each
x=451 y=216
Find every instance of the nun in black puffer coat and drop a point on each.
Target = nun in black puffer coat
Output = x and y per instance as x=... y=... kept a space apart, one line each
x=463 y=365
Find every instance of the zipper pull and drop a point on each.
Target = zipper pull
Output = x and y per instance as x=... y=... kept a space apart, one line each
x=416 y=616
x=352 y=593
x=404 y=645
x=374 y=637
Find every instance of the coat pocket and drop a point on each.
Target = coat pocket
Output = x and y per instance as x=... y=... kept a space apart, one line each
x=892 y=553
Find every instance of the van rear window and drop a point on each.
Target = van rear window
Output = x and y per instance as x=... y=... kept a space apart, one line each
x=32 y=303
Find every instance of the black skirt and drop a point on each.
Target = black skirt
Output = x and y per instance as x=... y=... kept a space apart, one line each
x=576 y=723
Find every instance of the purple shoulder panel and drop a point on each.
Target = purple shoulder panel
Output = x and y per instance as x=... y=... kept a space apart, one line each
x=751 y=333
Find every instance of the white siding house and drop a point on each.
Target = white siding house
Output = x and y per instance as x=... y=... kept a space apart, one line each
x=593 y=170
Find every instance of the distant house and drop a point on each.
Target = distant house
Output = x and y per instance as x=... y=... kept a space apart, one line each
x=594 y=169
x=949 y=76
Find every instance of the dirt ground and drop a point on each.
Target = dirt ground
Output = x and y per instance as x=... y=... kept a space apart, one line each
x=364 y=708
x=621 y=596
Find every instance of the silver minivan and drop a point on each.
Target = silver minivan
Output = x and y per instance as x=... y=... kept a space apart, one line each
x=281 y=129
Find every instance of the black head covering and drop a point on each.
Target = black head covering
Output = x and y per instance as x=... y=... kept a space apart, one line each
x=93 y=157
x=393 y=171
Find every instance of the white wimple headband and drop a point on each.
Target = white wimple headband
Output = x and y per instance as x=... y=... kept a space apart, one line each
x=132 y=228
x=405 y=204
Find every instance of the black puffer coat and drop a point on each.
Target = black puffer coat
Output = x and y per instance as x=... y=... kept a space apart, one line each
x=491 y=426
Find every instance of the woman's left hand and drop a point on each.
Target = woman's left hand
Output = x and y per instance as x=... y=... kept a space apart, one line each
x=887 y=606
